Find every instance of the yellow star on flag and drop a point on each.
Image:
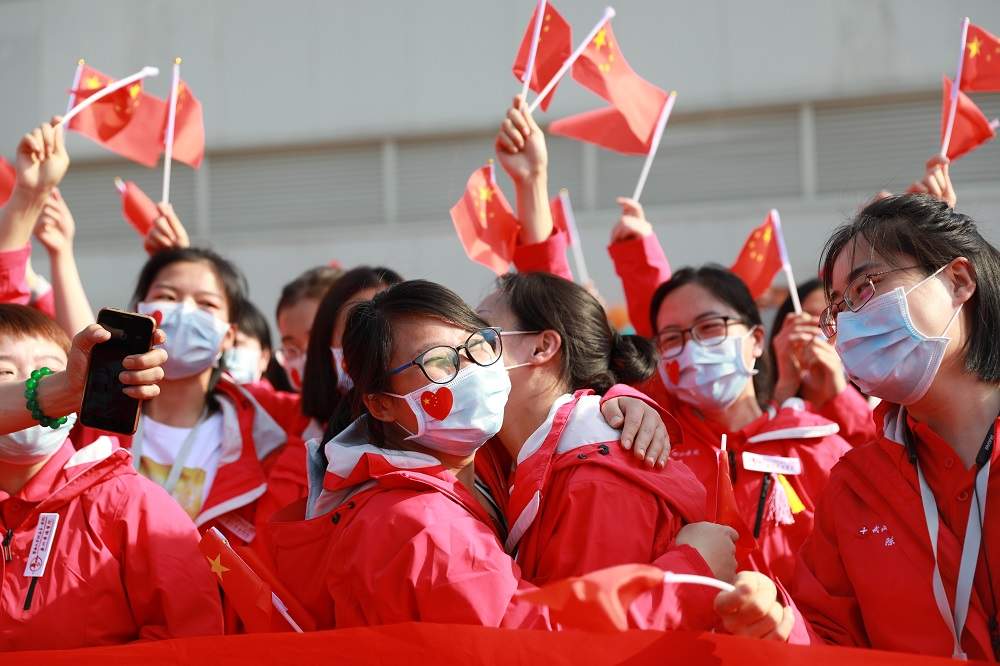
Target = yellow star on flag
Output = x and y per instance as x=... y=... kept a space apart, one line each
x=974 y=47
x=601 y=39
x=767 y=235
x=217 y=568
x=93 y=83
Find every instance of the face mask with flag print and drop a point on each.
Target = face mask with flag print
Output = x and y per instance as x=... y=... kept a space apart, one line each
x=194 y=337
x=457 y=418
x=708 y=376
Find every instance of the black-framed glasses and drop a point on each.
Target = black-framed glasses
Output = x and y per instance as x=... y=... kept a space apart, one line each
x=856 y=296
x=709 y=332
x=441 y=364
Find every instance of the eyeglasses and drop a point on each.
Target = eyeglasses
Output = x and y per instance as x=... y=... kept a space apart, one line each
x=441 y=364
x=288 y=356
x=856 y=296
x=708 y=332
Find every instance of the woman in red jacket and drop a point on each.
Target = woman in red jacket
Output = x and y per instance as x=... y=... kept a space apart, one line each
x=903 y=556
x=92 y=553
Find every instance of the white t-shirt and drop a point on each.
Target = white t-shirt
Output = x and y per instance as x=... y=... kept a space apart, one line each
x=160 y=445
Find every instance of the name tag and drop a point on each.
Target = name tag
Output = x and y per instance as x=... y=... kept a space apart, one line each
x=41 y=545
x=239 y=526
x=756 y=462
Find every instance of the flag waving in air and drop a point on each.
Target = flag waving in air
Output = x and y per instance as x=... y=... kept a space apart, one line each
x=485 y=224
x=137 y=208
x=189 y=128
x=971 y=129
x=555 y=44
x=128 y=122
x=981 y=63
x=628 y=125
x=761 y=257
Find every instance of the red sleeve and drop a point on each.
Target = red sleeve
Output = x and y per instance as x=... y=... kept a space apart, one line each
x=13 y=285
x=642 y=267
x=626 y=391
x=851 y=412
x=823 y=592
x=548 y=256
x=285 y=408
x=46 y=303
x=171 y=591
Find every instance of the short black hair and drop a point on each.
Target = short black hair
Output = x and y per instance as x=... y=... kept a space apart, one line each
x=234 y=283
x=253 y=324
x=594 y=354
x=320 y=397
x=910 y=229
x=731 y=290
x=314 y=283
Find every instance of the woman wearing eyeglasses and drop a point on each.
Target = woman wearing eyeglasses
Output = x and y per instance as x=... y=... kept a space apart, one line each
x=905 y=555
x=713 y=378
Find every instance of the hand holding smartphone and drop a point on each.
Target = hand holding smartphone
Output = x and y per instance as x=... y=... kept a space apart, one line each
x=105 y=405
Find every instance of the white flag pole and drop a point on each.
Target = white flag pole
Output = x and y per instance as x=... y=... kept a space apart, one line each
x=671 y=578
x=583 y=275
x=661 y=123
x=536 y=35
x=955 y=89
x=609 y=14
x=76 y=85
x=120 y=185
x=168 y=149
x=107 y=90
x=786 y=265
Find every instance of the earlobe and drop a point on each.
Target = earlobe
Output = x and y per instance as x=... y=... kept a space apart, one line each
x=379 y=406
x=963 y=275
x=758 y=341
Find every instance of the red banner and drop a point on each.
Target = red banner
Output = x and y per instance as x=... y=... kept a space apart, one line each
x=454 y=644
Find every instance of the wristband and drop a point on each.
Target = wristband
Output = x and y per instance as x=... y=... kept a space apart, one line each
x=31 y=394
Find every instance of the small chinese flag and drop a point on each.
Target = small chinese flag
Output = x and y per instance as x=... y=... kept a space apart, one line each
x=981 y=67
x=628 y=125
x=189 y=128
x=760 y=259
x=597 y=601
x=559 y=212
x=485 y=224
x=245 y=591
x=971 y=128
x=555 y=45
x=127 y=122
x=8 y=178
x=137 y=208
x=727 y=512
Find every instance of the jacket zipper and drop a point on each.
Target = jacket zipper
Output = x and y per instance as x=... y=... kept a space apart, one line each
x=7 y=556
x=765 y=486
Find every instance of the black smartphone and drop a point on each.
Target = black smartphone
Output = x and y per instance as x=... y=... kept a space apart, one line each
x=105 y=406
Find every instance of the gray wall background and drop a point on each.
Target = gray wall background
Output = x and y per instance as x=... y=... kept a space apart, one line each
x=346 y=130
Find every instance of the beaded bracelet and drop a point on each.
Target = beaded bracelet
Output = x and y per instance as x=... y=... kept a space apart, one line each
x=31 y=393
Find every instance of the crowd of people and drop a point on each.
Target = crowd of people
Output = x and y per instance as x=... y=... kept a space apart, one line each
x=398 y=454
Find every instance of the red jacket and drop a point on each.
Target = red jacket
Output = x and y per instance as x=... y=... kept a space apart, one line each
x=251 y=442
x=789 y=432
x=391 y=536
x=579 y=503
x=864 y=577
x=124 y=564
x=548 y=256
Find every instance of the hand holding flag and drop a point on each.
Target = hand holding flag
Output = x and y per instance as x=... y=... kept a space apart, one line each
x=42 y=160
x=937 y=181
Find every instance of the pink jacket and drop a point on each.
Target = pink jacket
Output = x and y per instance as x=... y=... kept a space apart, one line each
x=124 y=564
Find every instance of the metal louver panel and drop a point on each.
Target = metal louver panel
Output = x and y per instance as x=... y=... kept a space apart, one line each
x=295 y=189
x=433 y=172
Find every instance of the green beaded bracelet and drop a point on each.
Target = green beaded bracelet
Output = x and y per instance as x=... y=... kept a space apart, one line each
x=31 y=394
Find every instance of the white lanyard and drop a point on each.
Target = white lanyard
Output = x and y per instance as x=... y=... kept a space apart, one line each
x=182 y=454
x=970 y=555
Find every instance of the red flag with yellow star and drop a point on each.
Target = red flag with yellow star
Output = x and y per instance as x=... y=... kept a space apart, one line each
x=189 y=128
x=248 y=594
x=971 y=129
x=128 y=122
x=555 y=45
x=8 y=178
x=137 y=208
x=760 y=259
x=981 y=67
x=602 y=68
x=605 y=127
x=485 y=223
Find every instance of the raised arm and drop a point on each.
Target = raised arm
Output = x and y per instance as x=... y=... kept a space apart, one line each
x=41 y=163
x=55 y=230
x=639 y=261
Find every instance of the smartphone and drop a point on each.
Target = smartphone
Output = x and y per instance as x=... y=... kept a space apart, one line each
x=105 y=406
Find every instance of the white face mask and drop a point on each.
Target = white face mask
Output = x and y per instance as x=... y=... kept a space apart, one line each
x=194 y=337
x=457 y=418
x=710 y=376
x=294 y=370
x=344 y=381
x=243 y=363
x=884 y=353
x=35 y=444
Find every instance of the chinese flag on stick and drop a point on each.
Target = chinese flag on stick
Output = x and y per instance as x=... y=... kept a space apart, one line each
x=485 y=224
x=555 y=45
x=128 y=122
x=971 y=128
x=981 y=61
x=629 y=124
x=189 y=128
x=726 y=510
x=761 y=257
x=137 y=208
x=8 y=178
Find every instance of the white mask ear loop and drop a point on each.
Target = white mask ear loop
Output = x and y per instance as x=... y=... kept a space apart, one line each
x=916 y=286
x=518 y=365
